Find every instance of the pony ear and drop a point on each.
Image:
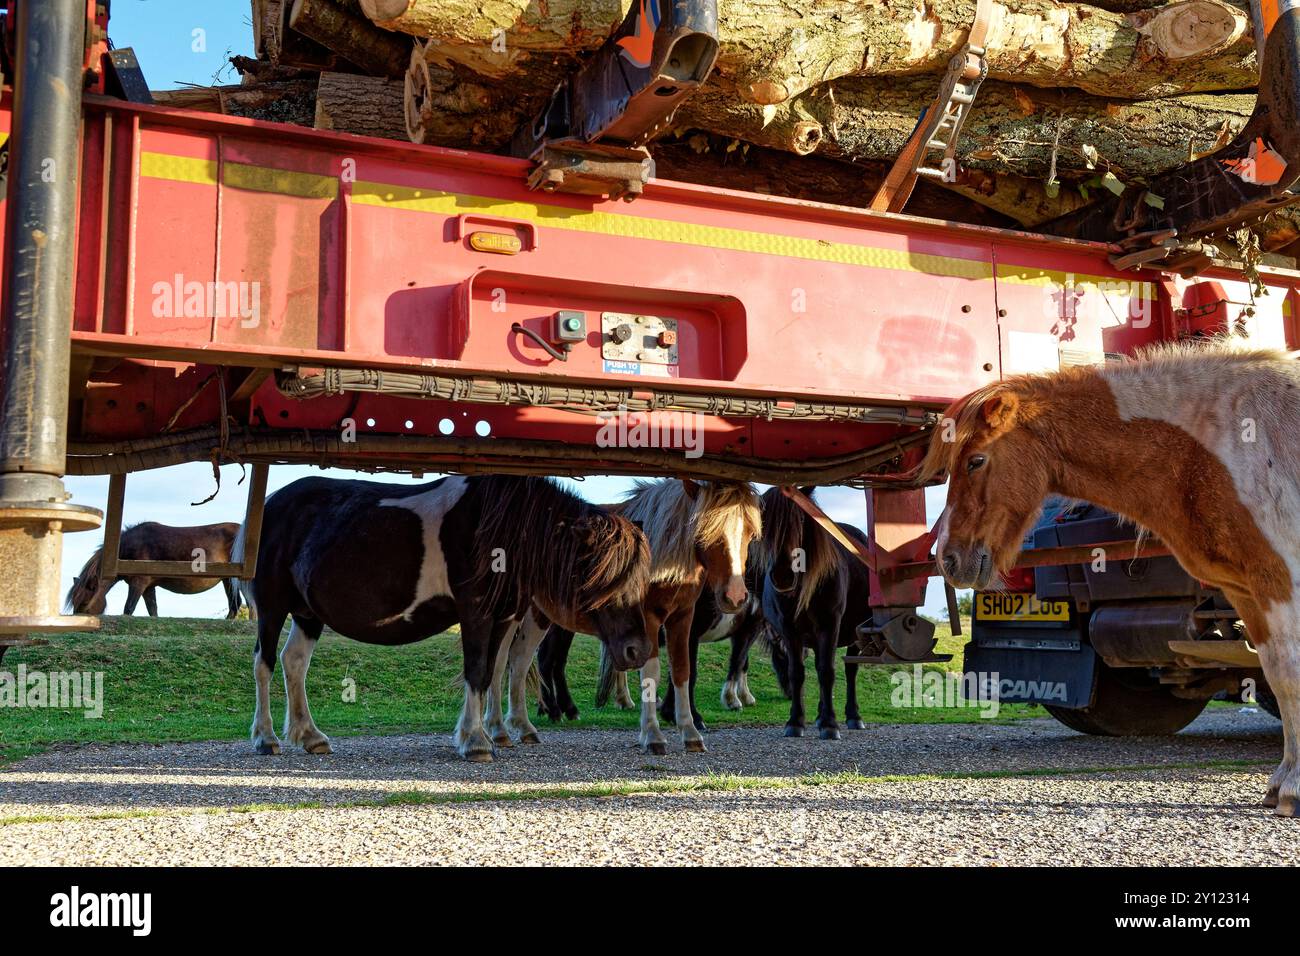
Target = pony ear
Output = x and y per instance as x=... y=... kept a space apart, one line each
x=640 y=525
x=691 y=487
x=1000 y=411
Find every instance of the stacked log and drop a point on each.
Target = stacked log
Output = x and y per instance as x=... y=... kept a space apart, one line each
x=812 y=98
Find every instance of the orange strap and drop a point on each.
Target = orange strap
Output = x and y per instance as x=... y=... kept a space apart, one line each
x=899 y=182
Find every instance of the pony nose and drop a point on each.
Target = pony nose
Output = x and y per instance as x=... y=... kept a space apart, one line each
x=736 y=593
x=949 y=565
x=630 y=656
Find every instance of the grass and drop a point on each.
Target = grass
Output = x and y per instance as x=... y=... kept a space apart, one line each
x=178 y=679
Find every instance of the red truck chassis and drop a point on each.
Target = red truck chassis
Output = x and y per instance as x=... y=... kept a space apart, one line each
x=253 y=292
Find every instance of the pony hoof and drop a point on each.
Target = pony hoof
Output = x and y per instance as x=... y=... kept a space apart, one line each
x=829 y=733
x=695 y=746
x=656 y=747
x=267 y=749
x=479 y=756
x=502 y=741
x=1287 y=807
x=530 y=738
x=1270 y=798
x=319 y=747
x=855 y=724
x=571 y=713
x=792 y=731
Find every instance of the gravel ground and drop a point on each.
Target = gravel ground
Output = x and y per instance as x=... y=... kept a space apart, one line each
x=1204 y=813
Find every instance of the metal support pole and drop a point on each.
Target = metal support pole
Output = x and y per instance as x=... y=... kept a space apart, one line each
x=36 y=312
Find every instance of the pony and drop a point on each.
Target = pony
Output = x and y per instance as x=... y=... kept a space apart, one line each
x=391 y=564
x=700 y=534
x=814 y=595
x=709 y=623
x=742 y=628
x=1196 y=443
x=151 y=541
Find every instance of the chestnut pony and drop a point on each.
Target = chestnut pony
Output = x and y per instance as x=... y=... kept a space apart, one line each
x=1198 y=443
x=700 y=534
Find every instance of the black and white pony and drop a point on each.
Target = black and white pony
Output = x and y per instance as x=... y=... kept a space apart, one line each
x=392 y=564
x=814 y=595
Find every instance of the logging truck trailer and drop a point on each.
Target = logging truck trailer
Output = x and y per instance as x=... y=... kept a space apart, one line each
x=183 y=287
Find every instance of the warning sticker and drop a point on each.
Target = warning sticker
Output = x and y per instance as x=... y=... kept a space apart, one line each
x=640 y=368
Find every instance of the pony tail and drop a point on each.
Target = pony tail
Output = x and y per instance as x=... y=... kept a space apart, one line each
x=780 y=664
x=86 y=585
x=243 y=588
x=605 y=677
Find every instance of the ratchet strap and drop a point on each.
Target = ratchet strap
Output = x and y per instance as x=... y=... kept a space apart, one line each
x=939 y=125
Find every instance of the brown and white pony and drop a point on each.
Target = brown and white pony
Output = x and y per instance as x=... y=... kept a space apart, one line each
x=700 y=535
x=393 y=564
x=1198 y=443
x=151 y=541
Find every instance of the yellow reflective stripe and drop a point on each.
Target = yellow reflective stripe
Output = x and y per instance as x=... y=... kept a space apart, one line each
x=287 y=182
x=314 y=186
x=181 y=169
x=1028 y=275
x=663 y=230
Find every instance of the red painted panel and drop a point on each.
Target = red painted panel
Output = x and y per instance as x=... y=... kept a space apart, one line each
x=359 y=258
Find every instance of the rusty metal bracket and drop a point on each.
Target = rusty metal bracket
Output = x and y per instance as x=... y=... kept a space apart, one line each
x=588 y=138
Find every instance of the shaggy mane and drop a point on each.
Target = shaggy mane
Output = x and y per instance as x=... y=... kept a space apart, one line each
x=784 y=523
x=1203 y=355
x=677 y=525
x=575 y=553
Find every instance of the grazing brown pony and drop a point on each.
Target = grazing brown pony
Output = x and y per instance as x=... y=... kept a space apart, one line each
x=1198 y=443
x=700 y=535
x=151 y=541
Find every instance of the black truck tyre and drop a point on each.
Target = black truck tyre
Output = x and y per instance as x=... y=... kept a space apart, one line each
x=1130 y=703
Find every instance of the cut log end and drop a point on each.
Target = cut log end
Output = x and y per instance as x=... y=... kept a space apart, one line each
x=1193 y=28
x=384 y=9
x=767 y=92
x=805 y=137
x=418 y=95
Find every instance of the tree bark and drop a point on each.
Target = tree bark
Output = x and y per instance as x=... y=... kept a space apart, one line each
x=773 y=50
x=341 y=29
x=443 y=110
x=705 y=160
x=364 y=105
x=1011 y=129
x=282 y=46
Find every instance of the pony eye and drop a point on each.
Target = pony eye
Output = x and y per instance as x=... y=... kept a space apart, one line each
x=975 y=462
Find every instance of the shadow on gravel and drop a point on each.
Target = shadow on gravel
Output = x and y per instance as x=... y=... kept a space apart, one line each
x=217 y=774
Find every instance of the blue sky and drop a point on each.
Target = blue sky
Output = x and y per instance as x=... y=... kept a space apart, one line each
x=172 y=54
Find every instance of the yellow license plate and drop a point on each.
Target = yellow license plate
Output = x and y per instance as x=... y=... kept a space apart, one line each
x=1014 y=606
